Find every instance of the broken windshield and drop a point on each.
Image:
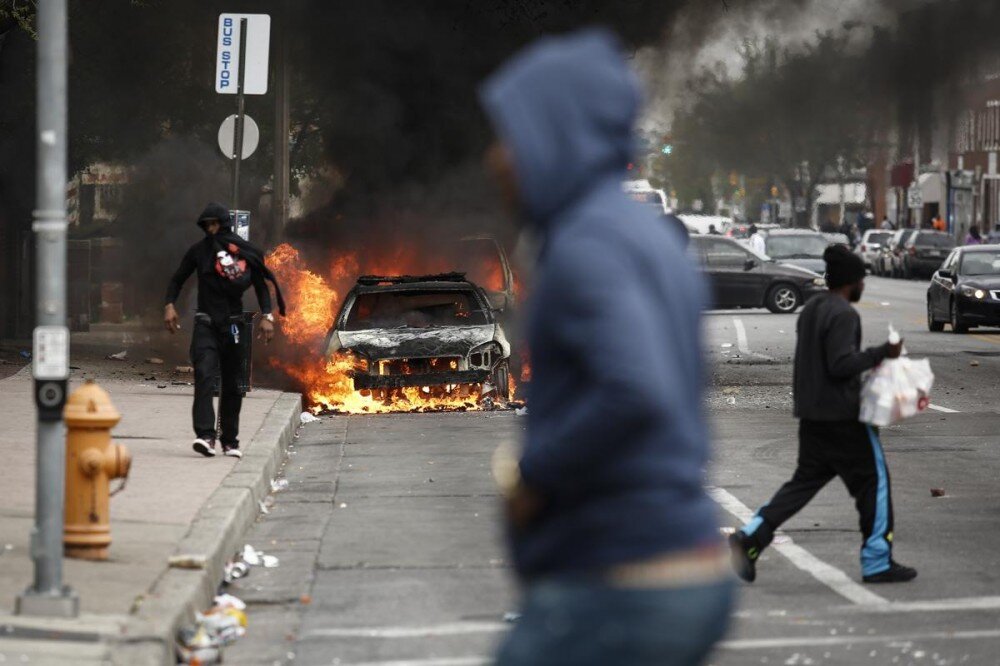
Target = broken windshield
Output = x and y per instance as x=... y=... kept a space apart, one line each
x=415 y=309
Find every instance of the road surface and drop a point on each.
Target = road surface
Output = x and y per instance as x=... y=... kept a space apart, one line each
x=392 y=552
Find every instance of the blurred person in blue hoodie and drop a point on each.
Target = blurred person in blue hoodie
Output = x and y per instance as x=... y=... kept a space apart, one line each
x=610 y=525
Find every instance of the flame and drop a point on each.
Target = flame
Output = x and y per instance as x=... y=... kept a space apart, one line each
x=313 y=301
x=310 y=299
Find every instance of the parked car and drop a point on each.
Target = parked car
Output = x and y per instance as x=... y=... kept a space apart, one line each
x=924 y=253
x=890 y=260
x=871 y=246
x=837 y=239
x=433 y=331
x=742 y=231
x=965 y=291
x=797 y=247
x=743 y=279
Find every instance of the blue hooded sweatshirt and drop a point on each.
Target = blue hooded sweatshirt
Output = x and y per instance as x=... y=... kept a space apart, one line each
x=617 y=440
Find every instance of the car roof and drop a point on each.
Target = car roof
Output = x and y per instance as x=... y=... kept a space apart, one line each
x=979 y=248
x=793 y=232
x=400 y=283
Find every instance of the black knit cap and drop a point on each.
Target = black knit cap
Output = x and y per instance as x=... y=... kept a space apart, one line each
x=843 y=267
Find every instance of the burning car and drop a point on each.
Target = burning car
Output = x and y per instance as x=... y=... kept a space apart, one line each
x=437 y=333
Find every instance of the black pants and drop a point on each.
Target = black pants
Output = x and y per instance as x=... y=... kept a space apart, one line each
x=213 y=350
x=852 y=451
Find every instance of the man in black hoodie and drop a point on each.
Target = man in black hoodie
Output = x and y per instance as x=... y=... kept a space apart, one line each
x=832 y=442
x=227 y=266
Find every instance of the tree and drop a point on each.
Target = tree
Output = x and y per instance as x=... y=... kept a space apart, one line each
x=785 y=120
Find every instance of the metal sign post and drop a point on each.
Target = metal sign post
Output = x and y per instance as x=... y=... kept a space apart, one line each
x=47 y=595
x=244 y=41
x=238 y=134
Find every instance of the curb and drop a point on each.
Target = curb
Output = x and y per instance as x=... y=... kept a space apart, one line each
x=193 y=572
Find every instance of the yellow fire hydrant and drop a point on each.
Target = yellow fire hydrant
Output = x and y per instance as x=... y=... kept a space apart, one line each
x=92 y=461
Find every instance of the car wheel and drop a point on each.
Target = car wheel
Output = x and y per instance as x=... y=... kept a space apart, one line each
x=958 y=325
x=932 y=325
x=783 y=299
x=501 y=379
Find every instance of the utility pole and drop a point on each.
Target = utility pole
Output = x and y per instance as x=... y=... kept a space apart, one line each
x=47 y=595
x=916 y=212
x=238 y=133
x=843 y=200
x=280 y=190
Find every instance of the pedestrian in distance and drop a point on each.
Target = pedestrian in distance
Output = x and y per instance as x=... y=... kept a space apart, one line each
x=226 y=267
x=713 y=231
x=938 y=224
x=974 y=237
x=757 y=243
x=610 y=526
x=886 y=224
x=832 y=442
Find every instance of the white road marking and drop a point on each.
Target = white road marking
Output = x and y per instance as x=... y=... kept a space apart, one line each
x=743 y=344
x=430 y=631
x=945 y=410
x=455 y=661
x=820 y=641
x=825 y=573
x=934 y=605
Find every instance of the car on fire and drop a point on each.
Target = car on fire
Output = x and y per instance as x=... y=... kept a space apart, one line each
x=436 y=332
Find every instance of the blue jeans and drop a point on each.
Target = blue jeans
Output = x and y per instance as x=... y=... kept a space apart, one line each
x=584 y=622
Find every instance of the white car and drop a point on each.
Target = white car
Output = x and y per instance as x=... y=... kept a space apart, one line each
x=870 y=247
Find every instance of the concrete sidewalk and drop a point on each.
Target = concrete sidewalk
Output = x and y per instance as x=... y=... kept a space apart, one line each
x=176 y=502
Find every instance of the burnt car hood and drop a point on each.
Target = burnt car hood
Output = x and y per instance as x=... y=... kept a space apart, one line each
x=382 y=343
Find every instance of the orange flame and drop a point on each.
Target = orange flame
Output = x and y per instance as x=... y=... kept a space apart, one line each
x=312 y=304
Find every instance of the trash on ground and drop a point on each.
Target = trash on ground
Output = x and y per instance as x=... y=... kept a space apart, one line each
x=308 y=417
x=256 y=558
x=974 y=364
x=120 y=356
x=155 y=361
x=186 y=561
x=269 y=561
x=225 y=601
x=727 y=345
x=26 y=354
x=305 y=599
x=235 y=571
x=277 y=485
x=731 y=400
x=185 y=369
x=521 y=411
x=937 y=492
x=511 y=617
x=343 y=505
x=263 y=508
x=161 y=386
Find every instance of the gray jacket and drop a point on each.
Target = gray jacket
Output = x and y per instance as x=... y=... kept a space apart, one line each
x=829 y=360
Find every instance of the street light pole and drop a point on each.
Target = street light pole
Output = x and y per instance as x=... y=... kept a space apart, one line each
x=238 y=130
x=47 y=595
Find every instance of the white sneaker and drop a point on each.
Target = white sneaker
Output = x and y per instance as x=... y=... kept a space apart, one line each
x=232 y=452
x=205 y=447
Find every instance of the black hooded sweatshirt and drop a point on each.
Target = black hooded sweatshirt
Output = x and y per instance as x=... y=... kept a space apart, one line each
x=216 y=296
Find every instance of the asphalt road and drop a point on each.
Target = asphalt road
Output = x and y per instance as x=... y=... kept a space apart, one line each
x=391 y=531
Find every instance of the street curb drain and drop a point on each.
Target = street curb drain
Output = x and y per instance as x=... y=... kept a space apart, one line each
x=193 y=572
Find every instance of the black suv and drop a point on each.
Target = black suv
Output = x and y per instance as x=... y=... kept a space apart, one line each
x=924 y=253
x=743 y=279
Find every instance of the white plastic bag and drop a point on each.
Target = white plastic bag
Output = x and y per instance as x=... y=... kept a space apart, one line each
x=896 y=390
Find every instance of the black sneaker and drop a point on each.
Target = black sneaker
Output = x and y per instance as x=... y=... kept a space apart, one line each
x=896 y=573
x=205 y=447
x=744 y=556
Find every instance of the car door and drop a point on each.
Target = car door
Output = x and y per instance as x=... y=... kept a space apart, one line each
x=737 y=277
x=939 y=293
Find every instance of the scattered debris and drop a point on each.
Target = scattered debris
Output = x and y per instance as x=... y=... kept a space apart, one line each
x=521 y=411
x=120 y=356
x=155 y=361
x=235 y=571
x=974 y=364
x=731 y=401
x=308 y=417
x=343 y=505
x=727 y=345
x=26 y=355
x=184 y=369
x=937 y=492
x=277 y=485
x=161 y=386
x=511 y=617
x=256 y=558
x=263 y=508
x=305 y=599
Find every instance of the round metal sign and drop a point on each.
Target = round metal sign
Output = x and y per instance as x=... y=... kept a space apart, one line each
x=251 y=136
